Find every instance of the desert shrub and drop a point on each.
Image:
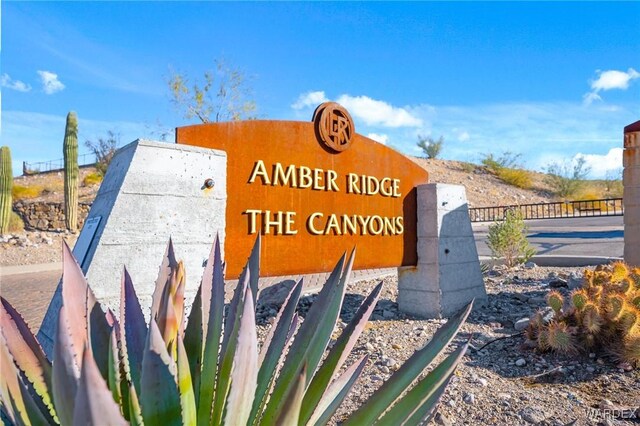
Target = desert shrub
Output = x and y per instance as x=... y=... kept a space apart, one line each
x=104 y=149
x=92 y=179
x=602 y=315
x=430 y=147
x=568 y=178
x=467 y=167
x=507 y=160
x=114 y=369
x=507 y=239
x=516 y=177
x=20 y=192
x=16 y=224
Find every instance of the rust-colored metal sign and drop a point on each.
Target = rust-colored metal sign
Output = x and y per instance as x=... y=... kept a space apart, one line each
x=309 y=200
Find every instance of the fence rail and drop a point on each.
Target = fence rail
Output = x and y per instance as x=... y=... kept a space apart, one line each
x=55 y=165
x=556 y=210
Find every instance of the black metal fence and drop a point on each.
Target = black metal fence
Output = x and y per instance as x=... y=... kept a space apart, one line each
x=556 y=210
x=88 y=159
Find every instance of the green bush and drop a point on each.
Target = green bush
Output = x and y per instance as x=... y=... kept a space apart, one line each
x=507 y=239
x=507 y=160
x=568 y=178
x=92 y=179
x=16 y=224
x=516 y=177
x=430 y=147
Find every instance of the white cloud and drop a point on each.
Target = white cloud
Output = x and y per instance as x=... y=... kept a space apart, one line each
x=609 y=80
x=310 y=99
x=464 y=136
x=378 y=113
x=379 y=137
x=601 y=164
x=50 y=82
x=9 y=83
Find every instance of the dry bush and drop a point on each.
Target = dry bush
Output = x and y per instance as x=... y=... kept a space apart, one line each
x=516 y=177
x=92 y=179
x=19 y=192
x=16 y=224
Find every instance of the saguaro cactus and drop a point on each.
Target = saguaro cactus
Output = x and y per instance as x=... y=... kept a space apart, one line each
x=71 y=172
x=6 y=180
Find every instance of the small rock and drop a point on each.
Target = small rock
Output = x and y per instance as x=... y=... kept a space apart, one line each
x=469 y=398
x=558 y=283
x=521 y=362
x=451 y=403
x=521 y=297
x=504 y=396
x=482 y=382
x=591 y=369
x=384 y=369
x=376 y=378
x=396 y=346
x=574 y=281
x=531 y=415
x=369 y=347
x=521 y=324
x=441 y=420
x=530 y=265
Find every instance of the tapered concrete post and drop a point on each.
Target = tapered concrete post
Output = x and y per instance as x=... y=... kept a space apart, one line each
x=448 y=274
x=631 y=180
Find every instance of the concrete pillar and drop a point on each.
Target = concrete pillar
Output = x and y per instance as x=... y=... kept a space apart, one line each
x=448 y=274
x=631 y=180
x=152 y=191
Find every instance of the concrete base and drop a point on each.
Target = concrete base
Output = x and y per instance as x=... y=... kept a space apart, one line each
x=152 y=191
x=448 y=274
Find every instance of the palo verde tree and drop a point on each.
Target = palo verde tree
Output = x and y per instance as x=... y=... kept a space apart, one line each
x=566 y=179
x=430 y=147
x=224 y=94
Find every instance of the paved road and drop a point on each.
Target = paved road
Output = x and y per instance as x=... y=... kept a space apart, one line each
x=593 y=236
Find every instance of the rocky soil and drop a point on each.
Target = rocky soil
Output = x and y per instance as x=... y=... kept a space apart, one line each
x=502 y=380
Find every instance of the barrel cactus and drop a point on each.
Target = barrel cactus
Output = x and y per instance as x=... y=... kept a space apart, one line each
x=6 y=181
x=210 y=370
x=71 y=172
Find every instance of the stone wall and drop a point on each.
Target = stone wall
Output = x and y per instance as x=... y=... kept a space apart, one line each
x=41 y=216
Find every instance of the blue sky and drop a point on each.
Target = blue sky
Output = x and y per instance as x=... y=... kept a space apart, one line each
x=546 y=80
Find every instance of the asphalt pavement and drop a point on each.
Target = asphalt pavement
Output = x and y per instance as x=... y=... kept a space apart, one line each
x=586 y=236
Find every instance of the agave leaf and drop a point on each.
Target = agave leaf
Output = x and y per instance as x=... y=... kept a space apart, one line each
x=169 y=263
x=168 y=322
x=133 y=330
x=273 y=347
x=99 y=333
x=94 y=404
x=160 y=399
x=336 y=393
x=414 y=401
x=312 y=338
x=114 y=377
x=429 y=408
x=290 y=414
x=227 y=356
x=338 y=353
x=384 y=397
x=212 y=292
x=244 y=374
x=192 y=342
x=10 y=392
x=185 y=387
x=74 y=297
x=135 y=412
x=178 y=297
x=26 y=353
x=65 y=371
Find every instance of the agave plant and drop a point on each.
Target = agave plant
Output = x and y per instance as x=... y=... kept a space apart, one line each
x=211 y=370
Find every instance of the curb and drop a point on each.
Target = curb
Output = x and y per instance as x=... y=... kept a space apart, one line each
x=6 y=271
x=559 y=260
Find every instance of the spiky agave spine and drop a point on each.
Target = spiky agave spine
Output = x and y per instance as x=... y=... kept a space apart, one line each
x=71 y=172
x=6 y=181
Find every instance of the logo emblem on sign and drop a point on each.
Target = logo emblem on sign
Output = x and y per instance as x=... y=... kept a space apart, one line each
x=334 y=126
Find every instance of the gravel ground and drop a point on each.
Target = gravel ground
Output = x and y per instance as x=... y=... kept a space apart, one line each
x=507 y=382
x=29 y=248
